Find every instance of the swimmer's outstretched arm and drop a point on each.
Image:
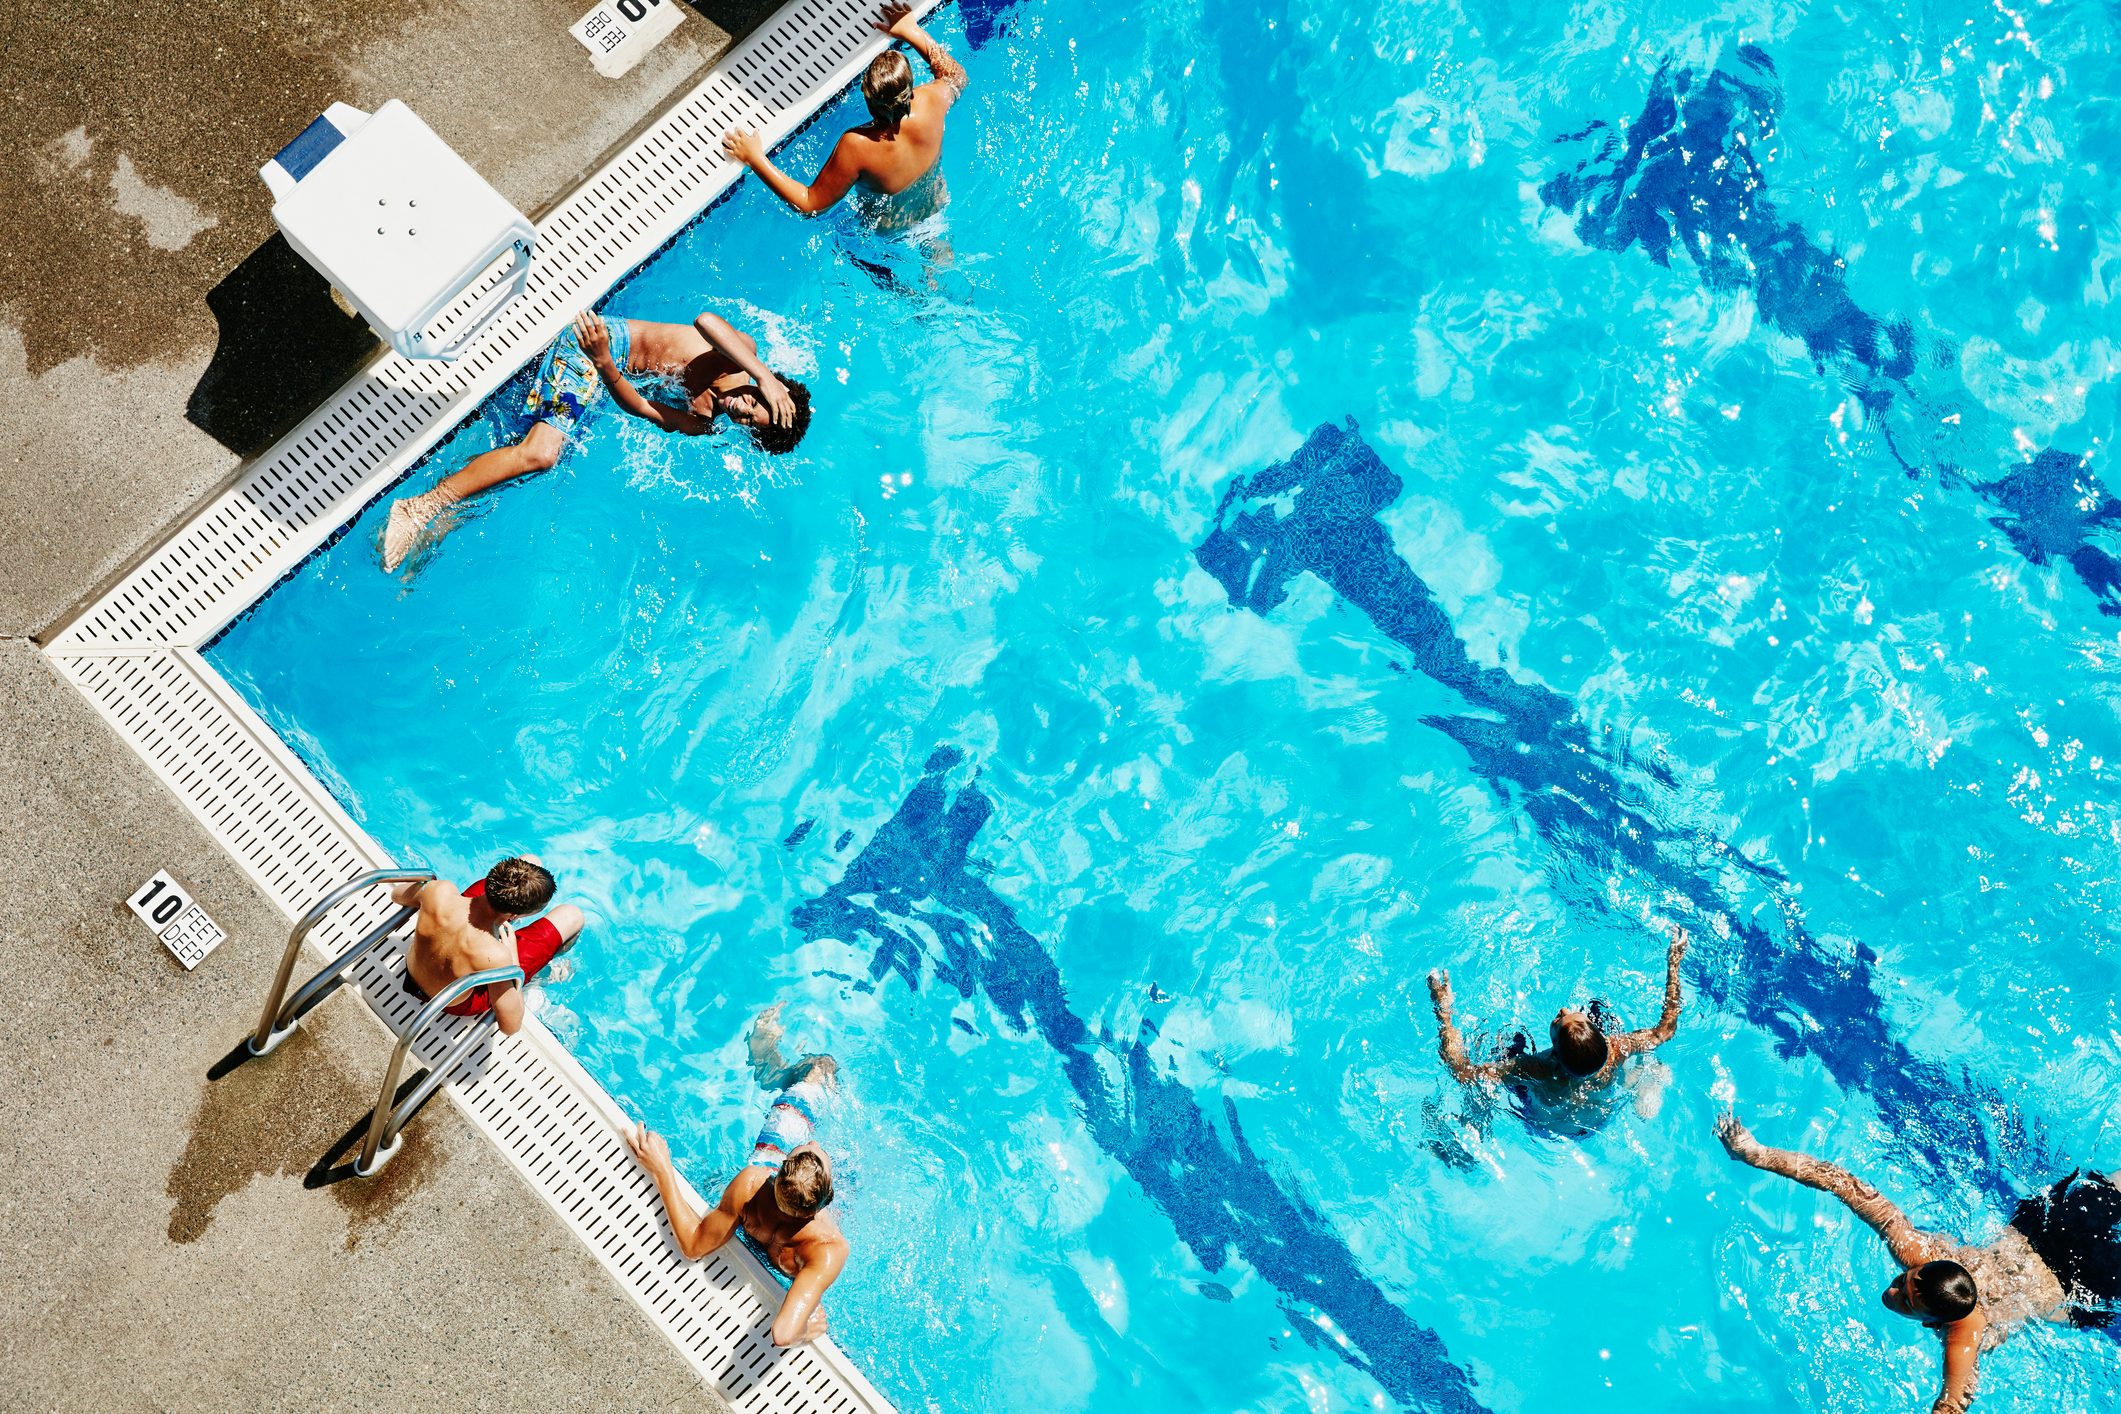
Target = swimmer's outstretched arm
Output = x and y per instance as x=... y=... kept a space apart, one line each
x=1911 y=1246
x=1639 y=1042
x=1452 y=1046
x=1962 y=1365
x=801 y=1318
x=820 y=193
x=697 y=1233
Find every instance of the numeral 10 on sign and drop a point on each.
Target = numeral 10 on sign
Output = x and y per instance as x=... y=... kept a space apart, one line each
x=186 y=929
x=160 y=901
x=617 y=33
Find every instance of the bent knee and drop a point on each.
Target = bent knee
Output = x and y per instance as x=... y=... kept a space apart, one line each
x=568 y=920
x=542 y=447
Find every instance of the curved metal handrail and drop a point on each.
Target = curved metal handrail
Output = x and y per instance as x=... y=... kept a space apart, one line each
x=388 y=1119
x=272 y=1030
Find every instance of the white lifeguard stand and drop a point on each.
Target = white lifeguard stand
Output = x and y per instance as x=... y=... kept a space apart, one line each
x=398 y=223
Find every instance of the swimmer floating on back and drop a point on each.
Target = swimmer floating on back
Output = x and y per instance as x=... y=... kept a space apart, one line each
x=719 y=367
x=2058 y=1260
x=779 y=1196
x=1582 y=1057
x=891 y=161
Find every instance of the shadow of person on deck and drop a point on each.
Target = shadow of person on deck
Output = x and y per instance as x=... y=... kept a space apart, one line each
x=285 y=346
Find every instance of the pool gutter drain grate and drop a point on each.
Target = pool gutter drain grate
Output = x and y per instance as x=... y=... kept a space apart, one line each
x=135 y=654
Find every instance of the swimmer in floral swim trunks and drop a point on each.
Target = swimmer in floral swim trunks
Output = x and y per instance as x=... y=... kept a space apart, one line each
x=779 y=1197
x=718 y=367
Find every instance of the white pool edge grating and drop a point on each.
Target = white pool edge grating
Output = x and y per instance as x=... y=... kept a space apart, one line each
x=134 y=654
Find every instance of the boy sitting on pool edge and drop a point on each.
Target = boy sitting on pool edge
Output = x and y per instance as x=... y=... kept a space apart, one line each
x=778 y=1198
x=482 y=927
x=719 y=367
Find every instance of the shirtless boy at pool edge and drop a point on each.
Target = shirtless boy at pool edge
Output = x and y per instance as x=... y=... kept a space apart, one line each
x=482 y=927
x=890 y=162
x=720 y=368
x=779 y=1196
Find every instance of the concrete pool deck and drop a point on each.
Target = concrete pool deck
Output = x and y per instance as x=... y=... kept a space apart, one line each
x=153 y=335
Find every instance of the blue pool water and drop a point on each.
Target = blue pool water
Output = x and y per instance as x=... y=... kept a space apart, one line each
x=1349 y=490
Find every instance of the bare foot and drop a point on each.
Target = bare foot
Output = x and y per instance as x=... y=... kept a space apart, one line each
x=408 y=518
x=767 y=1029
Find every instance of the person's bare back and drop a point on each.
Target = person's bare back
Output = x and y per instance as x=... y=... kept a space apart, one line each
x=888 y=156
x=890 y=160
x=454 y=937
x=460 y=933
x=791 y=1242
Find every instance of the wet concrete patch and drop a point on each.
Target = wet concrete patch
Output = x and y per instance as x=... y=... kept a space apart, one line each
x=275 y=1117
x=150 y=120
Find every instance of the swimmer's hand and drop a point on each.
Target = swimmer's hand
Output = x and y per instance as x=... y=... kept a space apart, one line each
x=1440 y=991
x=649 y=1148
x=779 y=401
x=1737 y=1139
x=743 y=145
x=897 y=21
x=1677 y=950
x=595 y=339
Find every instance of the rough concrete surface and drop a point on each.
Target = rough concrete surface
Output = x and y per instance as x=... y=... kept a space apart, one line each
x=161 y=1251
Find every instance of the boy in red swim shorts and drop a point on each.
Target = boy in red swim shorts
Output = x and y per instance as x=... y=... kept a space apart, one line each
x=459 y=933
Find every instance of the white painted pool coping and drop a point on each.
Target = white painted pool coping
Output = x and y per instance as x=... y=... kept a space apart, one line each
x=135 y=654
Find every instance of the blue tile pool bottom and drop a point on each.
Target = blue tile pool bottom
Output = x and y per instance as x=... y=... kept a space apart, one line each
x=1286 y=530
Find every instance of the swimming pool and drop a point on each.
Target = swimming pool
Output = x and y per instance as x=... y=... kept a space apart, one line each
x=1094 y=739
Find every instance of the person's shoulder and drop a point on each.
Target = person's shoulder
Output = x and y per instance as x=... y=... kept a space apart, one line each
x=746 y=1185
x=931 y=103
x=442 y=899
x=822 y=1235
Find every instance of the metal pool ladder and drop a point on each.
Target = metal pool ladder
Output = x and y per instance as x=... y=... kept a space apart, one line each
x=382 y=1131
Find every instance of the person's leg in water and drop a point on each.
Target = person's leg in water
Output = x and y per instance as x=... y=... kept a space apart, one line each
x=771 y=1069
x=569 y=921
x=566 y=387
x=538 y=451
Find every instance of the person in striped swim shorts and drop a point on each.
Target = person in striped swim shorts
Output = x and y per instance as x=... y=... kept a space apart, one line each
x=778 y=1199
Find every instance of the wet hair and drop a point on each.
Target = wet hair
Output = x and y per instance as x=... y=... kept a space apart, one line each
x=518 y=887
x=1946 y=1291
x=1581 y=1046
x=772 y=437
x=887 y=86
x=804 y=1186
